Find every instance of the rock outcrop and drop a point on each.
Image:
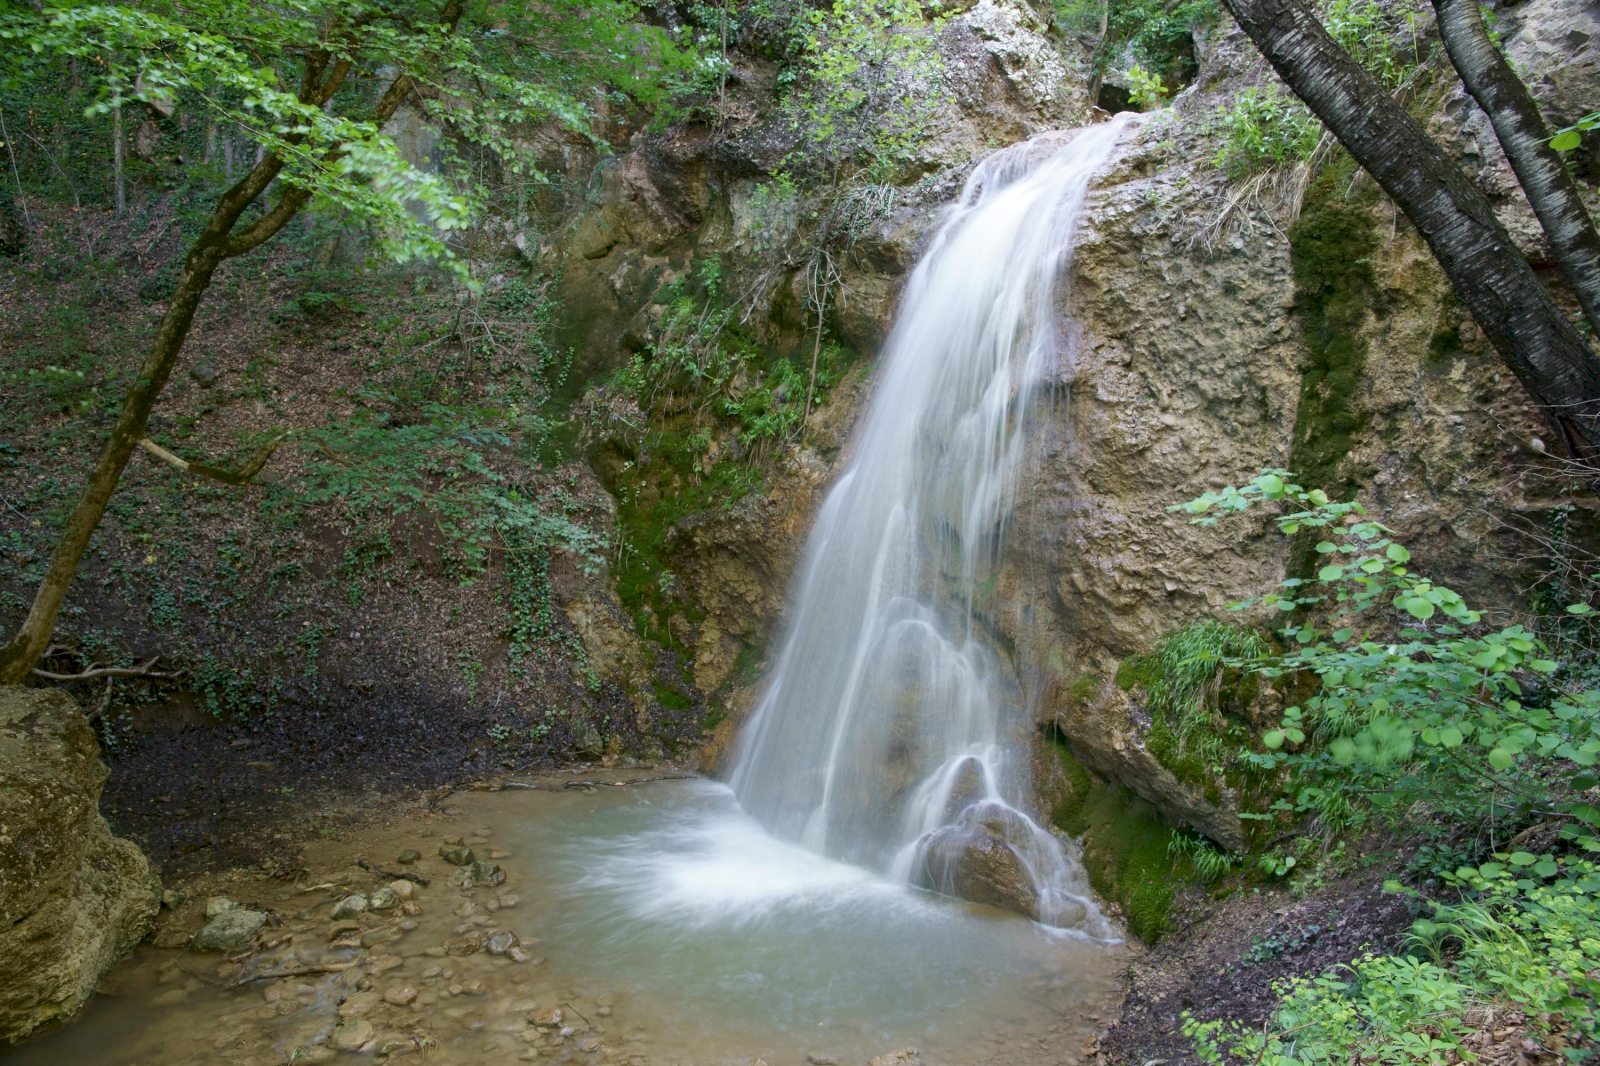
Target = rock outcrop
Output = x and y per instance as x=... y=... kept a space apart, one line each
x=73 y=898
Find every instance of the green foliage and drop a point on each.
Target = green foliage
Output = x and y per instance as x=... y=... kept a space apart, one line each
x=1418 y=702
x=1526 y=933
x=1265 y=127
x=1268 y=127
x=1181 y=679
x=1382 y=1009
x=244 y=68
x=1525 y=942
x=1568 y=138
x=1284 y=942
x=873 y=81
x=1210 y=863
x=1156 y=33
x=1147 y=92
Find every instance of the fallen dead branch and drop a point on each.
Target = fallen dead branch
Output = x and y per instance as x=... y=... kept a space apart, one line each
x=292 y=971
x=393 y=875
x=102 y=670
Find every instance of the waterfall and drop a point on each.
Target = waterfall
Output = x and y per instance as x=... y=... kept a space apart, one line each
x=890 y=733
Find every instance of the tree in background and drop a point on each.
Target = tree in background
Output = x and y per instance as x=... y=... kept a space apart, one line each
x=1489 y=274
x=313 y=83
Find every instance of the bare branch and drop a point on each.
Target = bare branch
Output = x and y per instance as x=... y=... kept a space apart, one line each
x=96 y=670
x=242 y=476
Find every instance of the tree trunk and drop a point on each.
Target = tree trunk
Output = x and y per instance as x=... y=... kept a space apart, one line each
x=216 y=243
x=1489 y=274
x=118 y=158
x=1522 y=133
x=17 y=659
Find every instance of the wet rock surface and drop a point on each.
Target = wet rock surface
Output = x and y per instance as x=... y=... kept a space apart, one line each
x=73 y=898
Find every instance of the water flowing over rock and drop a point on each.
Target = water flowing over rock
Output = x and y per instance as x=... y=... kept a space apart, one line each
x=889 y=734
x=73 y=898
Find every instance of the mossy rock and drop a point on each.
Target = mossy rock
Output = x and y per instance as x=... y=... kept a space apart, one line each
x=1124 y=847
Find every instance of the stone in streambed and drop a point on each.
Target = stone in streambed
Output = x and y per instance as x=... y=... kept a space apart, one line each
x=173 y=898
x=402 y=889
x=350 y=906
x=384 y=899
x=230 y=930
x=350 y=1034
x=457 y=855
x=488 y=873
x=409 y=856
x=342 y=928
x=901 y=1057
x=464 y=945
x=502 y=942
x=400 y=996
x=218 y=905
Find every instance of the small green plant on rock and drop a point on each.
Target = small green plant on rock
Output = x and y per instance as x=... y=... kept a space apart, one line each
x=1181 y=679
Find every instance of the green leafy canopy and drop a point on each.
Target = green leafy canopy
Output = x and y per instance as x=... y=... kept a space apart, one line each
x=481 y=71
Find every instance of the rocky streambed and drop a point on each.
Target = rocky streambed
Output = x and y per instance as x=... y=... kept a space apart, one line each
x=622 y=916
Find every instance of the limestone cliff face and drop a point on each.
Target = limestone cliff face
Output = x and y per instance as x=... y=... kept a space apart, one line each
x=1208 y=343
x=689 y=195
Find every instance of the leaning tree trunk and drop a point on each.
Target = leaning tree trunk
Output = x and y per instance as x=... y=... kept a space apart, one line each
x=216 y=243
x=1526 y=140
x=1489 y=274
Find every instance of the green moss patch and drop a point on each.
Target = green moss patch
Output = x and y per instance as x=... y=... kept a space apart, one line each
x=1125 y=847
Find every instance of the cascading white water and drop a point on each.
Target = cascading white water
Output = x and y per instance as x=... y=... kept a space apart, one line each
x=889 y=734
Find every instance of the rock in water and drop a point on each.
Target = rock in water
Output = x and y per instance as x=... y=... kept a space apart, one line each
x=350 y=906
x=487 y=873
x=229 y=931
x=901 y=1057
x=73 y=898
x=218 y=904
x=457 y=856
x=350 y=1034
x=385 y=898
x=974 y=862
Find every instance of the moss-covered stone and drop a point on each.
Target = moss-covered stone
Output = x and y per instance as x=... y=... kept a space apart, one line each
x=1331 y=248
x=1124 y=846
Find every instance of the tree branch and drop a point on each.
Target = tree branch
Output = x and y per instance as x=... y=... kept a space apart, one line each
x=96 y=670
x=1522 y=133
x=241 y=476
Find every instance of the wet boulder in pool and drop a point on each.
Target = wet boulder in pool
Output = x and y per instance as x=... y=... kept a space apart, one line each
x=487 y=873
x=383 y=899
x=973 y=862
x=457 y=855
x=231 y=930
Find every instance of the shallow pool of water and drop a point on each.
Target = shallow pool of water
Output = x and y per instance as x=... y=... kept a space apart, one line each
x=663 y=924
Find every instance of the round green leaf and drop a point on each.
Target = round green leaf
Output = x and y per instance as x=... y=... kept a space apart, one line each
x=1418 y=607
x=1273 y=738
x=1566 y=140
x=1330 y=573
x=1397 y=553
x=1500 y=759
